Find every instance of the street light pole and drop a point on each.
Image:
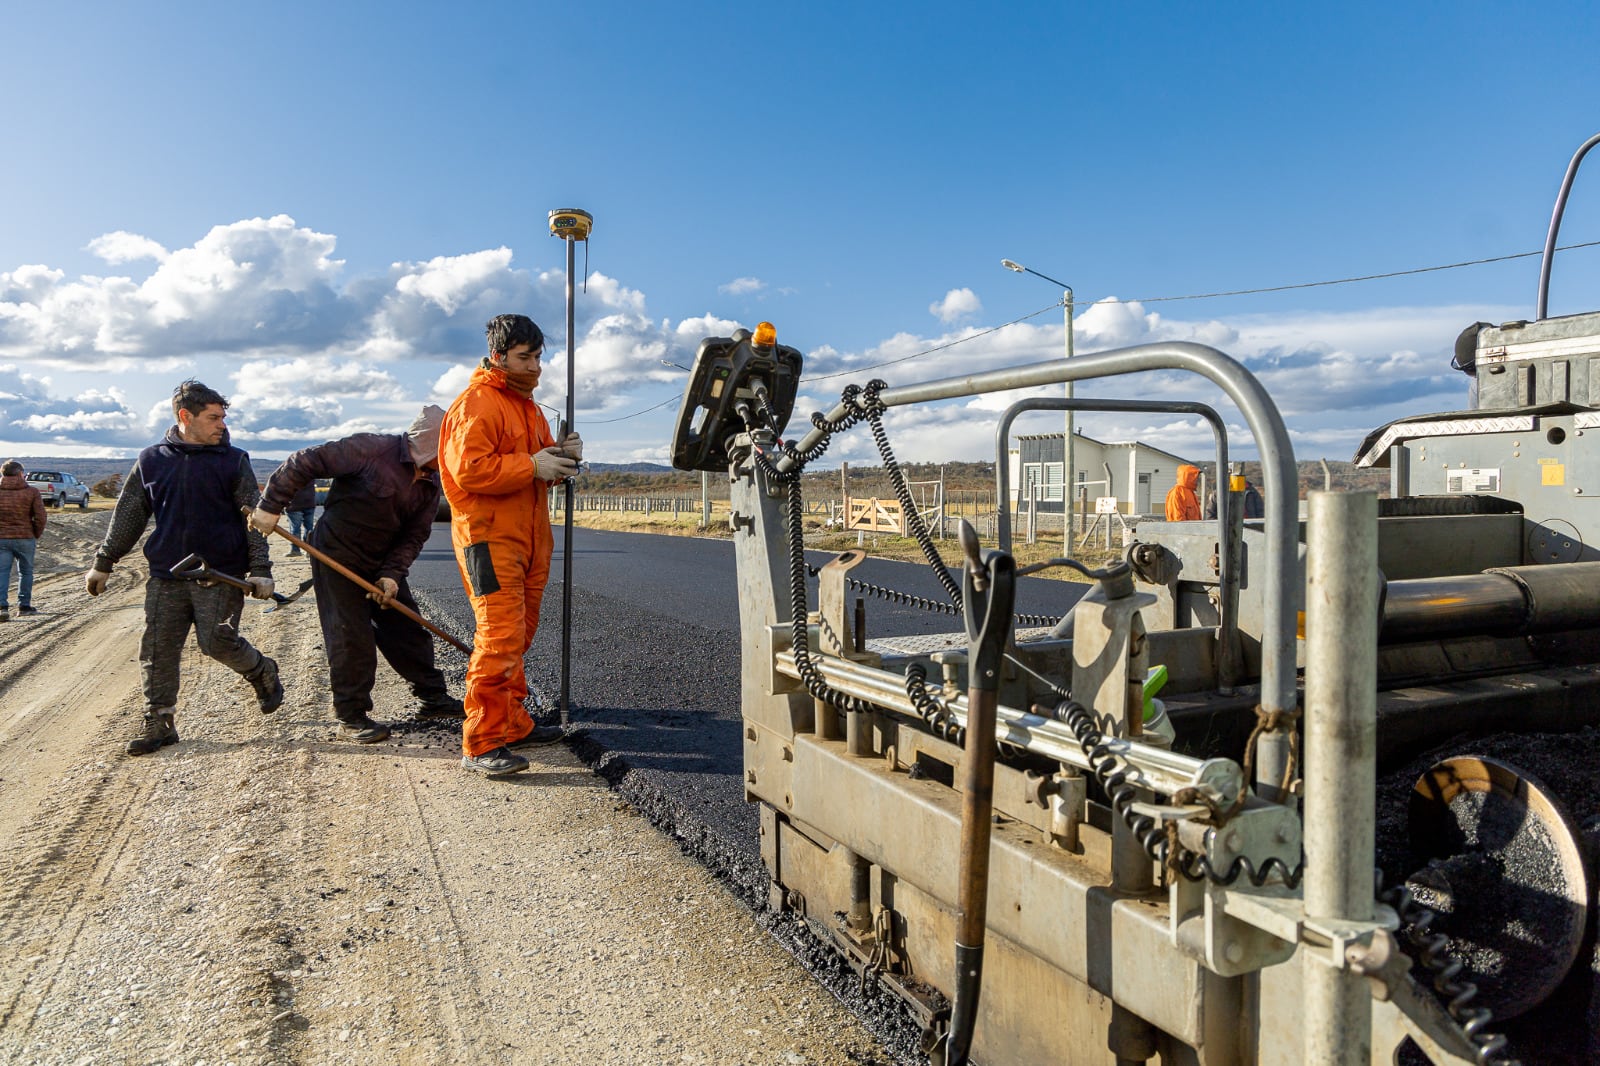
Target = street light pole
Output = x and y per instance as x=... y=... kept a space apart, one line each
x=1068 y=476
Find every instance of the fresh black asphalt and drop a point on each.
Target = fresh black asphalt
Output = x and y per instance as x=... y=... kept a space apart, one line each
x=655 y=687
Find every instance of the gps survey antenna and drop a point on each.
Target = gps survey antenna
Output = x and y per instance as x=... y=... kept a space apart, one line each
x=571 y=225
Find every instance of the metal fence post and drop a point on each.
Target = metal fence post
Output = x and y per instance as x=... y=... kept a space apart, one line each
x=1341 y=727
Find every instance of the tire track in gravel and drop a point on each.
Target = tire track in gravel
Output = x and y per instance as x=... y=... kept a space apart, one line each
x=54 y=876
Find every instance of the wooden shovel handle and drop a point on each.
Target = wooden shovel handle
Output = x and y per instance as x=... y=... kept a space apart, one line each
x=322 y=558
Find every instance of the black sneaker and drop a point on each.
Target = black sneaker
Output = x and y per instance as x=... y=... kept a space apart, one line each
x=269 y=690
x=5 y=614
x=27 y=608
x=539 y=737
x=363 y=730
x=156 y=733
x=441 y=705
x=497 y=763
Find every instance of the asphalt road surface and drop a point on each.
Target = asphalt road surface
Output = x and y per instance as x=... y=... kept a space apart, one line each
x=655 y=656
x=655 y=696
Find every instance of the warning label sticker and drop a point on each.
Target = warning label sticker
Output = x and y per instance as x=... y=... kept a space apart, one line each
x=1479 y=480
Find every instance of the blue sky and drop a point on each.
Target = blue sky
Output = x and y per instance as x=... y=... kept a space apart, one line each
x=315 y=207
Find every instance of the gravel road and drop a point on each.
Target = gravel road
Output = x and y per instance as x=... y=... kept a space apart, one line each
x=262 y=892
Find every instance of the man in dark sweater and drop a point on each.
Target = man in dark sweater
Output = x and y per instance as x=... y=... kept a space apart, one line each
x=196 y=486
x=377 y=515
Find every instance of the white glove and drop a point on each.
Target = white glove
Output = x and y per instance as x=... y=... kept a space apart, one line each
x=552 y=464
x=388 y=589
x=260 y=587
x=264 y=521
x=572 y=444
x=94 y=582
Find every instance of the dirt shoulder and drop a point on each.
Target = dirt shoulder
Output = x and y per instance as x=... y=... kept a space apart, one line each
x=262 y=892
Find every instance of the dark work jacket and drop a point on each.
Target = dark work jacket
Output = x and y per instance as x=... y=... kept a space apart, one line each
x=197 y=494
x=378 y=512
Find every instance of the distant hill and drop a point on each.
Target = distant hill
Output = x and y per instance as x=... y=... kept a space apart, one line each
x=630 y=468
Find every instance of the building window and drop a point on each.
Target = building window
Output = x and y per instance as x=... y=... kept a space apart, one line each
x=1053 y=481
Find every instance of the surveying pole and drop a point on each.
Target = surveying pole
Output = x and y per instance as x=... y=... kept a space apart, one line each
x=571 y=225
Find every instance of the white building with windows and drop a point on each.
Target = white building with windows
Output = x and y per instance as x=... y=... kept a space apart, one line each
x=1139 y=475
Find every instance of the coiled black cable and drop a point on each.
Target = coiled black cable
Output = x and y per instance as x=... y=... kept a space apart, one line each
x=1112 y=770
x=1416 y=921
x=940 y=721
x=908 y=506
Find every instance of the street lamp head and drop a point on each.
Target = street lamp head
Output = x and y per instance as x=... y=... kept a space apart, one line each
x=1010 y=265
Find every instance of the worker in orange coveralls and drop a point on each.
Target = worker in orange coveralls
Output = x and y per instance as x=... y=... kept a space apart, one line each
x=1182 y=503
x=497 y=459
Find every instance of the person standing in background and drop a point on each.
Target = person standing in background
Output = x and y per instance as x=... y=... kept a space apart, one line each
x=302 y=512
x=22 y=519
x=1182 y=504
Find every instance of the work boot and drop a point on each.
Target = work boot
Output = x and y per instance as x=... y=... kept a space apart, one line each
x=363 y=730
x=295 y=550
x=27 y=608
x=269 y=690
x=5 y=614
x=496 y=763
x=440 y=705
x=156 y=733
x=538 y=737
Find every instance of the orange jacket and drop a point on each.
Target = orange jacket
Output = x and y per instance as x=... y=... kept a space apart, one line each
x=1182 y=503
x=486 y=451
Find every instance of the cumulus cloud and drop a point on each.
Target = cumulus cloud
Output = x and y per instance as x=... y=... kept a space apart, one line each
x=124 y=247
x=957 y=303
x=311 y=353
x=30 y=413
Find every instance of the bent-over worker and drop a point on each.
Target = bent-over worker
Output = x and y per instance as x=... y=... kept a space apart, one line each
x=377 y=516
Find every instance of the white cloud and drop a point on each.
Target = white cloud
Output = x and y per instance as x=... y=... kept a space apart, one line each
x=742 y=286
x=264 y=303
x=448 y=282
x=124 y=247
x=451 y=384
x=957 y=303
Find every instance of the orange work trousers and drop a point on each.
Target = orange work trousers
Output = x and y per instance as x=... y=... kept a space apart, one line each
x=506 y=618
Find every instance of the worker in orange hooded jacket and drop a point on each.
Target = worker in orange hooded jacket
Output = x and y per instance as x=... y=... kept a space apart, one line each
x=1182 y=503
x=497 y=459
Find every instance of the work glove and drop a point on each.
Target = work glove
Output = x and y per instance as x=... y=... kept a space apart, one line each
x=94 y=582
x=388 y=589
x=572 y=444
x=552 y=464
x=260 y=587
x=264 y=521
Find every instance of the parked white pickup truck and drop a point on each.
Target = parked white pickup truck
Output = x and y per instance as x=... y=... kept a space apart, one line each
x=59 y=489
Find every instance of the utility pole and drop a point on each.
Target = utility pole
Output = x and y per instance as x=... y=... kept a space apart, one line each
x=1069 y=478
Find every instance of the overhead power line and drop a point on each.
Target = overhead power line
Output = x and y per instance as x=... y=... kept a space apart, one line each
x=1363 y=277
x=1151 y=300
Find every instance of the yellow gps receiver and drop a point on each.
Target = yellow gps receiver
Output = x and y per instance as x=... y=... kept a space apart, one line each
x=571 y=223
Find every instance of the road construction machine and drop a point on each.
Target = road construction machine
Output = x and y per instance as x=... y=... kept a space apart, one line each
x=1357 y=823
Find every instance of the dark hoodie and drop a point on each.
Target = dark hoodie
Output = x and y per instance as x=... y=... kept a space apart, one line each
x=198 y=494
